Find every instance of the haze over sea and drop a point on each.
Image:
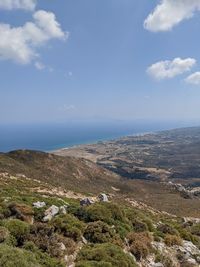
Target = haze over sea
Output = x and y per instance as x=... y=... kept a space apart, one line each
x=47 y=137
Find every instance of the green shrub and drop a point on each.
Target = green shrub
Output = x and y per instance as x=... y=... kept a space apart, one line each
x=4 y=211
x=4 y=234
x=195 y=230
x=43 y=258
x=93 y=264
x=172 y=240
x=122 y=229
x=18 y=229
x=69 y=226
x=187 y=235
x=149 y=224
x=12 y=257
x=99 y=212
x=99 y=232
x=156 y=237
x=165 y=260
x=167 y=229
x=104 y=255
x=11 y=241
x=117 y=212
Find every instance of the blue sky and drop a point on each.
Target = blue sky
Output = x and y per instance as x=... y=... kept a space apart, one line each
x=99 y=59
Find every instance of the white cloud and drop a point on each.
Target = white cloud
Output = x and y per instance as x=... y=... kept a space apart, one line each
x=169 y=69
x=194 y=78
x=169 y=13
x=39 y=65
x=20 y=44
x=18 y=4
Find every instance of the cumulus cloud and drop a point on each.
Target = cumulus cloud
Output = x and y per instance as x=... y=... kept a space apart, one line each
x=20 y=44
x=169 y=13
x=194 y=78
x=17 y=4
x=168 y=69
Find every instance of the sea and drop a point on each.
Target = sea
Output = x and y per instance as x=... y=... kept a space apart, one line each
x=52 y=136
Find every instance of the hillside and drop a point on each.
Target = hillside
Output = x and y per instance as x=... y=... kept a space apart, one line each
x=44 y=225
x=85 y=177
x=74 y=174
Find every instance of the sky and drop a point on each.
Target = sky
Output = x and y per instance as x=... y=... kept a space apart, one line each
x=99 y=59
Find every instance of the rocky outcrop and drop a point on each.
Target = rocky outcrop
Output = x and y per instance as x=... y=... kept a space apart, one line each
x=50 y=213
x=53 y=211
x=187 y=193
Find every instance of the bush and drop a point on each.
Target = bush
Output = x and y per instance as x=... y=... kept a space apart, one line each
x=140 y=244
x=4 y=211
x=172 y=240
x=4 y=234
x=43 y=258
x=167 y=229
x=139 y=226
x=18 y=229
x=165 y=260
x=122 y=229
x=12 y=257
x=118 y=213
x=104 y=255
x=43 y=236
x=195 y=230
x=98 y=212
x=69 y=226
x=186 y=235
x=106 y=212
x=99 y=232
x=149 y=224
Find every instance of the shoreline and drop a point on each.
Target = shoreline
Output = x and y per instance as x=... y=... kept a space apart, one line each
x=77 y=146
x=99 y=141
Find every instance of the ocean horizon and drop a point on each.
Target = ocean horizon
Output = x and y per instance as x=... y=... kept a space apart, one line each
x=49 y=137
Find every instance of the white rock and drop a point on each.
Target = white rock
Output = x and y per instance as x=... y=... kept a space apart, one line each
x=62 y=246
x=50 y=213
x=47 y=218
x=63 y=209
x=39 y=204
x=192 y=261
x=158 y=264
x=103 y=197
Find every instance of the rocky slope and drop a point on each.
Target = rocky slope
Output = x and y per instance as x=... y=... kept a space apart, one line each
x=44 y=225
x=46 y=222
x=76 y=174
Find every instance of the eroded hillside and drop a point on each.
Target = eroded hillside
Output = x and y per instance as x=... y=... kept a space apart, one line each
x=46 y=226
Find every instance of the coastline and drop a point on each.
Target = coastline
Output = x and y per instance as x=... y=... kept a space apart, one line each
x=78 y=146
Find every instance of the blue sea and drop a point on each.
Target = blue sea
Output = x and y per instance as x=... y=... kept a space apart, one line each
x=51 y=136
